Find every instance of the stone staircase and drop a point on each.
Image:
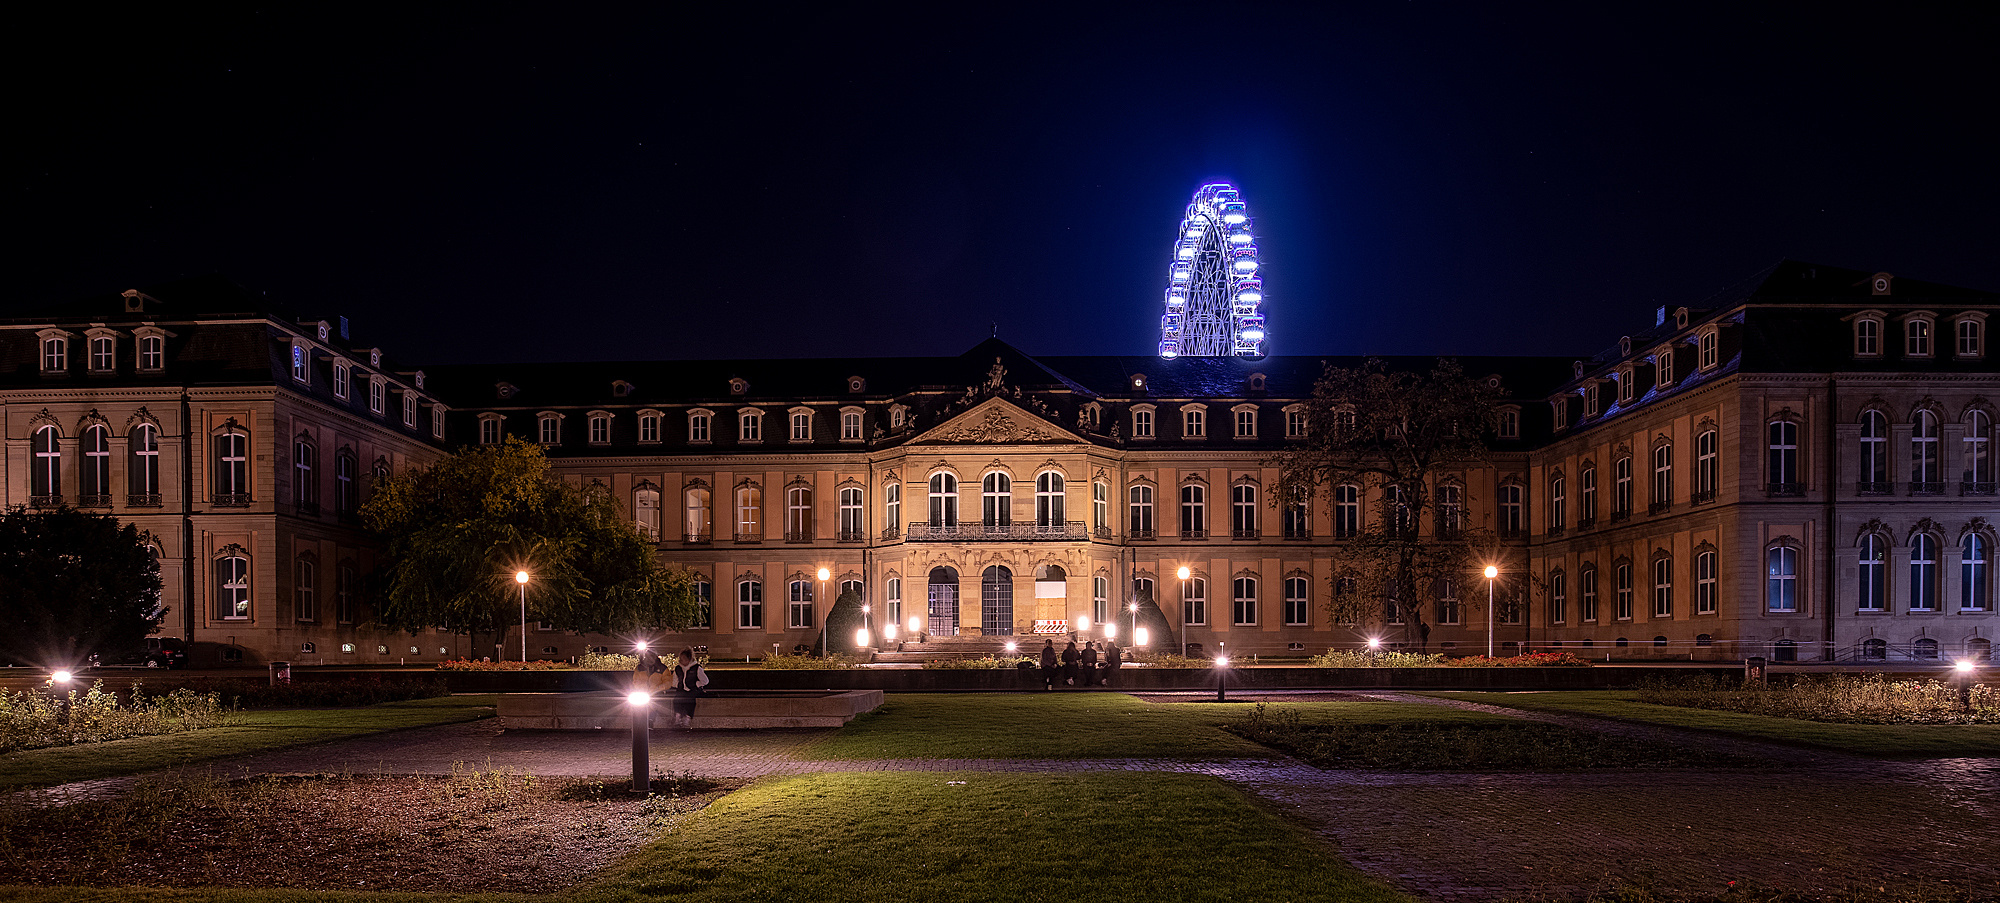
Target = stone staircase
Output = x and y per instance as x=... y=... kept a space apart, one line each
x=944 y=647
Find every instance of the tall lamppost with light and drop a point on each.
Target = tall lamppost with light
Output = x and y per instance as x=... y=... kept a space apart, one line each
x=861 y=636
x=823 y=574
x=1964 y=667
x=1183 y=574
x=1491 y=615
x=521 y=577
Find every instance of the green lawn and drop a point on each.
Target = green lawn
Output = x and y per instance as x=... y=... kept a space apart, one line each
x=246 y=732
x=1079 y=726
x=1918 y=741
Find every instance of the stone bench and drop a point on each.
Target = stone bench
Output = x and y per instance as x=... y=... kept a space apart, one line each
x=724 y=710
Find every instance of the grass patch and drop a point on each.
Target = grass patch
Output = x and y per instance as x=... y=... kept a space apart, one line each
x=1495 y=744
x=245 y=732
x=905 y=836
x=1838 y=698
x=1078 y=726
x=1894 y=741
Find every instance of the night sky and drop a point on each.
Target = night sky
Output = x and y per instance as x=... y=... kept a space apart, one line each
x=551 y=183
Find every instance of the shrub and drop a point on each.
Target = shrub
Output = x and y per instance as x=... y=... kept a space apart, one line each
x=256 y=694
x=834 y=662
x=1177 y=660
x=1532 y=660
x=461 y=664
x=1350 y=658
x=37 y=720
x=1836 y=698
x=976 y=664
x=609 y=661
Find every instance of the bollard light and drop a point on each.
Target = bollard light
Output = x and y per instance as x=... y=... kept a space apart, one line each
x=861 y=638
x=642 y=722
x=1374 y=642
x=1964 y=666
x=889 y=632
x=1110 y=630
x=639 y=697
x=1222 y=661
x=1140 y=636
x=1012 y=647
x=61 y=677
x=1221 y=694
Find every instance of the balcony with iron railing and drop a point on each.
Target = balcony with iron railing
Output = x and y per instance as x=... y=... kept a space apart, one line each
x=1973 y=488
x=1067 y=531
x=1701 y=496
x=1926 y=488
x=1872 y=487
x=1555 y=530
x=231 y=500
x=143 y=500
x=892 y=534
x=1244 y=535
x=1659 y=507
x=749 y=538
x=1140 y=535
x=1586 y=524
x=698 y=537
x=798 y=536
x=1194 y=535
x=45 y=501
x=94 y=500
x=1785 y=490
x=1621 y=516
x=1298 y=533
x=852 y=536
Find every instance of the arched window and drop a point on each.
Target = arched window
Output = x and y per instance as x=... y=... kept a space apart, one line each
x=1663 y=587
x=944 y=502
x=304 y=584
x=1924 y=466
x=798 y=514
x=1917 y=337
x=548 y=427
x=1924 y=649
x=142 y=475
x=1874 y=452
x=1704 y=467
x=646 y=510
x=344 y=576
x=1194 y=511
x=1141 y=509
x=802 y=426
x=1243 y=601
x=94 y=481
x=1782 y=458
x=1346 y=511
x=1873 y=574
x=892 y=601
x=1704 y=582
x=600 y=429
x=749 y=605
x=1663 y=477
x=996 y=501
x=1875 y=650
x=1100 y=507
x=1049 y=509
x=799 y=605
x=1781 y=587
x=1979 y=649
x=750 y=425
x=45 y=476
x=1586 y=485
x=1973 y=575
x=305 y=476
x=698 y=520
x=1298 y=610
x=1194 y=601
x=1558 y=503
x=1978 y=475
x=749 y=513
x=699 y=424
x=232 y=469
x=1923 y=572
x=850 y=425
x=649 y=426
x=892 y=518
x=996 y=602
x=1243 y=511
x=232 y=587
x=1621 y=488
x=850 y=514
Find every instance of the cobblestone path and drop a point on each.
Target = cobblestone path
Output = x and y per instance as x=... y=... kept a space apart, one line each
x=1813 y=820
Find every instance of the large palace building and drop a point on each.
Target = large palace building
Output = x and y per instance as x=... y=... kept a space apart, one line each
x=1800 y=467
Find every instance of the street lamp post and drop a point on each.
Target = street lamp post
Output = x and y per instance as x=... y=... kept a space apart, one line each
x=1491 y=615
x=1964 y=668
x=823 y=574
x=642 y=716
x=521 y=577
x=1183 y=574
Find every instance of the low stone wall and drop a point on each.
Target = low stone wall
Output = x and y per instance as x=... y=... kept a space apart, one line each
x=726 y=711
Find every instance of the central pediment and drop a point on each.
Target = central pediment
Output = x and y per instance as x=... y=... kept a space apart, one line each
x=996 y=421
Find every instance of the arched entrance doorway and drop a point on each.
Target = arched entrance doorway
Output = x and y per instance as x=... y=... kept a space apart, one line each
x=944 y=602
x=996 y=594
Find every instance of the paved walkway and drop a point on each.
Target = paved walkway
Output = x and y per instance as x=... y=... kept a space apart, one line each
x=1814 y=820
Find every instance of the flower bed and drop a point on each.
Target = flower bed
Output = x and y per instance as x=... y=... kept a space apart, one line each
x=835 y=662
x=987 y=663
x=1837 y=698
x=37 y=720
x=1343 y=658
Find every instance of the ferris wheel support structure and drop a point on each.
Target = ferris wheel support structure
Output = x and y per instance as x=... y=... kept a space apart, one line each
x=1214 y=293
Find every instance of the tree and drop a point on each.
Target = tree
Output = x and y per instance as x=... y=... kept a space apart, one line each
x=1403 y=438
x=457 y=531
x=72 y=584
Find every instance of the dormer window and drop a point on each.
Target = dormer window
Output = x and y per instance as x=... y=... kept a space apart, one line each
x=739 y=386
x=856 y=385
x=1142 y=421
x=1194 y=422
x=1680 y=318
x=103 y=352
x=802 y=424
x=700 y=421
x=1711 y=352
x=490 y=426
x=1591 y=402
x=850 y=424
x=1560 y=406
x=1664 y=364
x=649 y=427
x=750 y=425
x=1917 y=335
x=419 y=378
x=600 y=428
x=324 y=330
x=548 y=428
x=1624 y=345
x=1256 y=382
x=1509 y=426
x=1628 y=385
x=1246 y=421
x=410 y=409
x=152 y=347
x=1138 y=382
x=437 y=421
x=1969 y=333
x=340 y=380
x=1868 y=335
x=378 y=393
x=898 y=414
x=301 y=371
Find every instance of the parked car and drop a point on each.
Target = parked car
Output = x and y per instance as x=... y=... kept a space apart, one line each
x=159 y=652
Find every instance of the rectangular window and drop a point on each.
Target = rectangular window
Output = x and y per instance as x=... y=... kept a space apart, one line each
x=1243 y=602
x=1663 y=588
x=1194 y=601
x=704 y=605
x=1663 y=477
x=1194 y=512
x=893 y=601
x=103 y=354
x=303 y=607
x=1621 y=489
x=749 y=514
x=750 y=426
x=1588 y=595
x=1666 y=365
x=1194 y=423
x=1295 y=424
x=1142 y=512
x=489 y=431
x=892 y=520
x=410 y=409
x=1588 y=490
x=1918 y=333
x=1704 y=583
x=698 y=427
x=1142 y=424
x=1243 y=511
x=232 y=588
x=1246 y=424
x=1867 y=337
x=649 y=427
x=1558 y=599
x=1100 y=599
x=299 y=371
x=340 y=380
x=850 y=425
x=437 y=421
x=1622 y=609
x=750 y=605
x=1346 y=512
x=1968 y=338
x=1782 y=584
x=850 y=514
x=1709 y=350
x=600 y=430
x=152 y=352
x=55 y=354
x=1100 y=506
x=802 y=429
x=1297 y=611
x=551 y=430
x=343 y=594
x=378 y=391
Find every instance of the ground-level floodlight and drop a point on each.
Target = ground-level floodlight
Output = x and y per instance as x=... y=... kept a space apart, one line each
x=1965 y=668
x=1221 y=666
x=1012 y=647
x=1140 y=637
x=1110 y=630
x=642 y=716
x=1374 y=642
x=861 y=638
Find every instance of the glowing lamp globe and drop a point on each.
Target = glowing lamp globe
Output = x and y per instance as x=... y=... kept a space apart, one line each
x=641 y=645
x=639 y=697
x=1222 y=661
x=61 y=677
x=824 y=573
x=1110 y=631
x=1183 y=572
x=520 y=576
x=1374 y=642
x=1963 y=666
x=888 y=633
x=861 y=637
x=1013 y=648
x=1083 y=622
x=916 y=624
x=1492 y=572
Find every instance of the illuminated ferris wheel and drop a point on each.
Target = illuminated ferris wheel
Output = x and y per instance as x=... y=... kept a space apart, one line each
x=1213 y=291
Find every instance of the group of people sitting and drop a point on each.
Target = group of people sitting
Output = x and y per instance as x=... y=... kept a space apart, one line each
x=682 y=684
x=1079 y=667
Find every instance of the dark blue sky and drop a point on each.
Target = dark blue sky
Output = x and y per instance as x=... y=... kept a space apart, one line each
x=540 y=183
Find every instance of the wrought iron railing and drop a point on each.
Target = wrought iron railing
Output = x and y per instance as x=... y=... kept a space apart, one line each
x=1965 y=488
x=45 y=501
x=94 y=500
x=232 y=500
x=698 y=537
x=1586 y=523
x=1140 y=535
x=1243 y=534
x=143 y=500
x=1786 y=490
x=1871 y=487
x=1659 y=507
x=1926 y=488
x=749 y=538
x=1194 y=535
x=798 y=536
x=852 y=536
x=1702 y=496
